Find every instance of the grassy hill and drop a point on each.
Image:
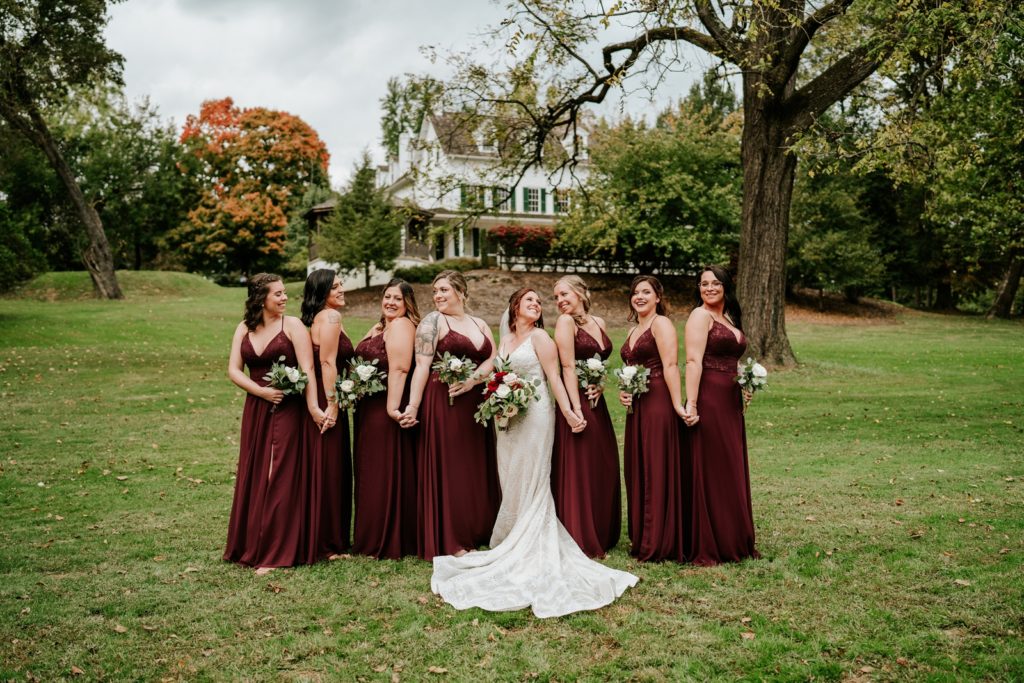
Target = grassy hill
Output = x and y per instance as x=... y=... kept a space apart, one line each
x=76 y=285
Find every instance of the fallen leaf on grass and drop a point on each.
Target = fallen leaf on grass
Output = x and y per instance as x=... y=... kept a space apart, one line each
x=745 y=620
x=58 y=518
x=917 y=533
x=867 y=669
x=147 y=627
x=962 y=582
x=810 y=518
x=437 y=670
x=422 y=600
x=75 y=671
x=1003 y=551
x=747 y=635
x=159 y=558
x=380 y=669
x=118 y=628
x=189 y=570
x=274 y=588
x=903 y=661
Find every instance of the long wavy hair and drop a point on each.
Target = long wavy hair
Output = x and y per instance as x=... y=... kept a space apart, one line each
x=661 y=308
x=259 y=287
x=412 y=312
x=732 y=304
x=513 y=308
x=315 y=293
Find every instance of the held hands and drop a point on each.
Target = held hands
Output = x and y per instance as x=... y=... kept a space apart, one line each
x=689 y=414
x=575 y=419
x=330 y=417
x=406 y=418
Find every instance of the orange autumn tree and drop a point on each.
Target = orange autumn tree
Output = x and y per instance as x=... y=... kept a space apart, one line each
x=247 y=168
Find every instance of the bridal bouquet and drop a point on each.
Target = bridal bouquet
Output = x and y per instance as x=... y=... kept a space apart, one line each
x=632 y=380
x=592 y=372
x=752 y=375
x=505 y=395
x=452 y=370
x=289 y=380
x=363 y=378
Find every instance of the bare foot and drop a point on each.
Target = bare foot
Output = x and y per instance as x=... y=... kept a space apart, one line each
x=460 y=553
x=263 y=571
x=339 y=556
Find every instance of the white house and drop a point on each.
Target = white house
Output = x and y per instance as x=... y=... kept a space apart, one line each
x=449 y=176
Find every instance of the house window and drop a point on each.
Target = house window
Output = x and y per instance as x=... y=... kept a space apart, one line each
x=531 y=200
x=472 y=196
x=439 y=247
x=502 y=198
x=561 y=198
x=476 y=242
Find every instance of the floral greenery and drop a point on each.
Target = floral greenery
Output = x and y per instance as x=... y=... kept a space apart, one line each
x=291 y=381
x=632 y=379
x=506 y=395
x=452 y=369
x=523 y=240
x=887 y=491
x=362 y=378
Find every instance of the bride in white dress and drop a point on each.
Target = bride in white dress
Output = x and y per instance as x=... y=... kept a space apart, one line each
x=533 y=561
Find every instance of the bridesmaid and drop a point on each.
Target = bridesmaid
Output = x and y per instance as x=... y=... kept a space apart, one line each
x=654 y=442
x=721 y=527
x=330 y=508
x=384 y=455
x=584 y=466
x=458 y=477
x=267 y=527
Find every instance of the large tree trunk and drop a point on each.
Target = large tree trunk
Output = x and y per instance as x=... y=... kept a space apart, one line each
x=768 y=170
x=1001 y=307
x=97 y=256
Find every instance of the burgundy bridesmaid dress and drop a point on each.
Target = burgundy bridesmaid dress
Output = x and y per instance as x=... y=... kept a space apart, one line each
x=267 y=526
x=459 y=494
x=384 y=459
x=652 y=462
x=585 y=466
x=330 y=505
x=721 y=519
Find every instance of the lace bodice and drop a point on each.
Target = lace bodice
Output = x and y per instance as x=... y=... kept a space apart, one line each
x=722 y=350
x=643 y=352
x=585 y=346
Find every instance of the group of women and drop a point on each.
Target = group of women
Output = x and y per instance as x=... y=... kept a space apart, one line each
x=426 y=478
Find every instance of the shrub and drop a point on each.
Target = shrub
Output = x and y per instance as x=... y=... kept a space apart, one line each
x=523 y=240
x=428 y=271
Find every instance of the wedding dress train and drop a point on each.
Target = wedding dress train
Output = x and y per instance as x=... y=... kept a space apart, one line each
x=533 y=561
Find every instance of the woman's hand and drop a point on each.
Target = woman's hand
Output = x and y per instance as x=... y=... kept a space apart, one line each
x=271 y=394
x=747 y=396
x=689 y=414
x=330 y=417
x=407 y=418
x=594 y=392
x=575 y=420
x=625 y=398
x=463 y=387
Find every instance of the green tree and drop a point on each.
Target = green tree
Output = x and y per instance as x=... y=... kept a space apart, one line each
x=47 y=47
x=404 y=106
x=247 y=168
x=660 y=198
x=364 y=230
x=797 y=60
x=297 y=238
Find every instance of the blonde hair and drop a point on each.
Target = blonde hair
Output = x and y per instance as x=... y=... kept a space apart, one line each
x=456 y=279
x=579 y=288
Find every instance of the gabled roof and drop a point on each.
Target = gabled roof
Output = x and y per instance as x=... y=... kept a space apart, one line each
x=460 y=134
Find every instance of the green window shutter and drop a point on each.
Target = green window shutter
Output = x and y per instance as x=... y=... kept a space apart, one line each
x=526 y=199
x=462 y=196
x=511 y=199
x=543 y=200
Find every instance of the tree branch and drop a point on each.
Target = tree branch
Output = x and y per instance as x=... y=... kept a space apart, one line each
x=800 y=35
x=730 y=48
x=832 y=84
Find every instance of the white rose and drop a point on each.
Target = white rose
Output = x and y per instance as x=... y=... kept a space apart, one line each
x=347 y=386
x=502 y=391
x=455 y=364
x=595 y=364
x=628 y=372
x=501 y=421
x=510 y=378
x=758 y=370
x=351 y=397
x=512 y=411
x=293 y=374
x=365 y=372
x=742 y=380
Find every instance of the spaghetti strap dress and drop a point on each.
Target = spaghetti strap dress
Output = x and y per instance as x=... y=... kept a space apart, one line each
x=267 y=527
x=458 y=487
x=384 y=460
x=585 y=466
x=330 y=508
x=721 y=524
x=652 y=462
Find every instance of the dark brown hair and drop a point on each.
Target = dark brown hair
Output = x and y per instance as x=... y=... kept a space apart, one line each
x=731 y=303
x=259 y=287
x=412 y=312
x=513 y=307
x=315 y=293
x=662 y=306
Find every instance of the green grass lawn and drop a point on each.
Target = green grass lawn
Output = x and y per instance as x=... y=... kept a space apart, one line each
x=888 y=485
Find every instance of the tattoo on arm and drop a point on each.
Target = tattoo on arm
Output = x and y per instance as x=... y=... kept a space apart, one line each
x=333 y=317
x=426 y=335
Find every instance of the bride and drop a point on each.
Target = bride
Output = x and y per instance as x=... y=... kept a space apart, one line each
x=533 y=561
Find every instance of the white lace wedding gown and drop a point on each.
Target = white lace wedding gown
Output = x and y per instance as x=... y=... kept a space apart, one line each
x=533 y=561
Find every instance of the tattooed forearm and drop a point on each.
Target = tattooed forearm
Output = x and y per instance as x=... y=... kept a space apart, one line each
x=426 y=335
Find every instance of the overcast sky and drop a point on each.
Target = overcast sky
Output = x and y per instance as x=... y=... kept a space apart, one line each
x=326 y=61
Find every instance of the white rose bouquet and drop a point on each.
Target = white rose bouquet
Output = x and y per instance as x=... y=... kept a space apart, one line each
x=452 y=370
x=505 y=396
x=592 y=372
x=632 y=380
x=363 y=378
x=752 y=375
x=289 y=380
